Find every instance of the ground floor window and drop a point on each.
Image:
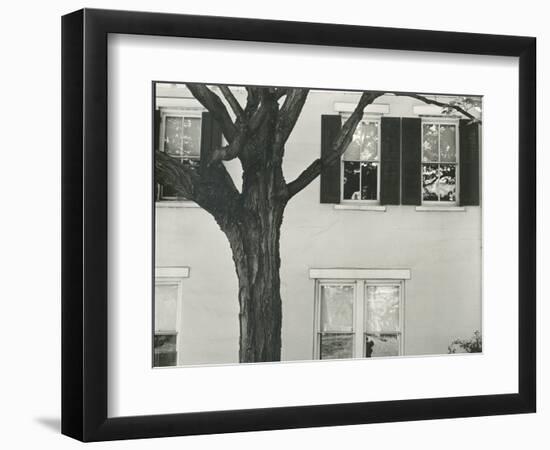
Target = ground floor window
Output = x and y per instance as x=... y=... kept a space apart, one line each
x=167 y=315
x=358 y=318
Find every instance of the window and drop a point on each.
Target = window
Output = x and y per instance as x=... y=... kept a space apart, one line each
x=180 y=138
x=361 y=164
x=358 y=319
x=439 y=162
x=168 y=292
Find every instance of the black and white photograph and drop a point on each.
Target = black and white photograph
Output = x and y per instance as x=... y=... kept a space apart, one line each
x=296 y=224
x=275 y=225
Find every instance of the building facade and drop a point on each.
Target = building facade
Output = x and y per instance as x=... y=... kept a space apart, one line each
x=380 y=256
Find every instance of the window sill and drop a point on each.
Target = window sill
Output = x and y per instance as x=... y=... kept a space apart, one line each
x=360 y=207
x=175 y=204
x=440 y=208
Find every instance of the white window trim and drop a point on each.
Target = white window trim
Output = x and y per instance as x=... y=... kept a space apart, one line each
x=170 y=276
x=368 y=118
x=359 y=311
x=176 y=204
x=373 y=108
x=360 y=207
x=442 y=208
x=438 y=120
x=360 y=274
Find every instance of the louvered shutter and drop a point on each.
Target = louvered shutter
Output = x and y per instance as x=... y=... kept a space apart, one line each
x=390 y=160
x=469 y=163
x=411 y=154
x=330 y=175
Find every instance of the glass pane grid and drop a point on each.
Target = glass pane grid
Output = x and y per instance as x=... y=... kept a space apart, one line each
x=360 y=162
x=439 y=162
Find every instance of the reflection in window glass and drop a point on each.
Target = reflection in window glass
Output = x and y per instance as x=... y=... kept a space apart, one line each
x=173 y=135
x=336 y=345
x=447 y=150
x=361 y=163
x=182 y=136
x=382 y=329
x=447 y=182
x=430 y=177
x=166 y=300
x=337 y=308
x=165 y=353
x=336 y=337
x=430 y=144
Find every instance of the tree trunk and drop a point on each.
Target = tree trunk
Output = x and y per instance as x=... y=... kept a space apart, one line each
x=254 y=235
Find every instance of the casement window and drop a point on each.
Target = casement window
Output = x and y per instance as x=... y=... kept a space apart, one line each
x=167 y=314
x=419 y=161
x=439 y=161
x=360 y=166
x=187 y=136
x=358 y=318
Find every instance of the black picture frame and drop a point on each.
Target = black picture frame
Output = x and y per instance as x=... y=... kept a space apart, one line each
x=84 y=224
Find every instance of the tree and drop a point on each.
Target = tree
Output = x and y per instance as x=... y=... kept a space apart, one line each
x=251 y=218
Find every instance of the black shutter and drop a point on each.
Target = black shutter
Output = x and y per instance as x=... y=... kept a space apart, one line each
x=469 y=163
x=411 y=154
x=211 y=137
x=330 y=175
x=156 y=139
x=156 y=129
x=390 y=160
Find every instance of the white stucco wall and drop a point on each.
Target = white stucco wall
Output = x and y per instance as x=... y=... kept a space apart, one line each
x=442 y=250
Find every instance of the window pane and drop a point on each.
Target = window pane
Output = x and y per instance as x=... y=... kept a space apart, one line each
x=447 y=182
x=369 y=148
x=430 y=174
x=192 y=137
x=364 y=144
x=381 y=345
x=336 y=346
x=351 y=180
x=165 y=307
x=165 y=353
x=447 y=143
x=173 y=135
x=369 y=181
x=337 y=308
x=430 y=143
x=382 y=309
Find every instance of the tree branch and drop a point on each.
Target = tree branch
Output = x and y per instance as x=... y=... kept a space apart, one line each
x=183 y=178
x=289 y=112
x=436 y=103
x=213 y=188
x=233 y=102
x=216 y=107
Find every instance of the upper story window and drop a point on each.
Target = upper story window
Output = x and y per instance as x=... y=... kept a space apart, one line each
x=361 y=164
x=180 y=138
x=439 y=161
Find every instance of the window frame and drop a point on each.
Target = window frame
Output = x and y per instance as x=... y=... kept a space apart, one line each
x=438 y=120
x=359 y=313
x=365 y=118
x=169 y=276
x=183 y=113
